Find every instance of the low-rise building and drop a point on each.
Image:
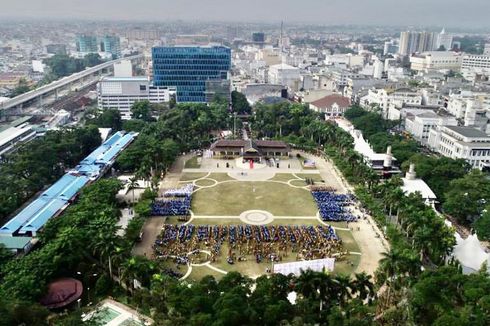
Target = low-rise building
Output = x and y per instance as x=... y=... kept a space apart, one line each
x=122 y=92
x=15 y=135
x=332 y=106
x=471 y=61
x=466 y=143
x=419 y=122
x=389 y=99
x=285 y=75
x=250 y=149
x=436 y=60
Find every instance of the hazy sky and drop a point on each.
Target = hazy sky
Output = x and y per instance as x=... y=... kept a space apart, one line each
x=471 y=13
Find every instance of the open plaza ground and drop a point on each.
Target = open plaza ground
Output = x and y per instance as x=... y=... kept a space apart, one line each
x=229 y=195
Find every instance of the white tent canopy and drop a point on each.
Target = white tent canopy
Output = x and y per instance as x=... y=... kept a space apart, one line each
x=317 y=265
x=470 y=253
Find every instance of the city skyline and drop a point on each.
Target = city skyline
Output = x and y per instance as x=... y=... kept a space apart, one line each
x=332 y=12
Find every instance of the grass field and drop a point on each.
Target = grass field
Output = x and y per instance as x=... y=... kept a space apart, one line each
x=347 y=265
x=189 y=176
x=198 y=272
x=313 y=176
x=220 y=177
x=233 y=198
x=205 y=183
x=283 y=177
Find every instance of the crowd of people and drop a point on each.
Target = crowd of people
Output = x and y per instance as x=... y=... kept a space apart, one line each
x=333 y=206
x=263 y=243
x=175 y=202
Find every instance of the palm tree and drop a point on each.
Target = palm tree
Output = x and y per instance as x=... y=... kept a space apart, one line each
x=344 y=288
x=133 y=184
x=363 y=285
x=305 y=284
x=105 y=243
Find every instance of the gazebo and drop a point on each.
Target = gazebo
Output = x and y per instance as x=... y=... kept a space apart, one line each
x=62 y=292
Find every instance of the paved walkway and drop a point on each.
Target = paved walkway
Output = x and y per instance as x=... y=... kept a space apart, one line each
x=366 y=233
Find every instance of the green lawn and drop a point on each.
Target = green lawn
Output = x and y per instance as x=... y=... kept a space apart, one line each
x=205 y=182
x=298 y=183
x=192 y=163
x=283 y=177
x=237 y=221
x=348 y=241
x=198 y=272
x=347 y=265
x=220 y=177
x=192 y=176
x=233 y=198
x=314 y=176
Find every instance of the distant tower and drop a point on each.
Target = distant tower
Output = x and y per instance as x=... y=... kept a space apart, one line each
x=281 y=45
x=445 y=40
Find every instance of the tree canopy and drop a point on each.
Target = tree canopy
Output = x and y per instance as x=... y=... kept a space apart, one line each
x=40 y=162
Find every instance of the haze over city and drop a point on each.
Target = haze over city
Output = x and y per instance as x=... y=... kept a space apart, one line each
x=244 y=163
x=327 y=12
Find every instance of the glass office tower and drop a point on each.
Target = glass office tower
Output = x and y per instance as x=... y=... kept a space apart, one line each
x=87 y=44
x=112 y=45
x=191 y=69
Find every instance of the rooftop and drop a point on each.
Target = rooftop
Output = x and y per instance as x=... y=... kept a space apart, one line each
x=58 y=196
x=14 y=242
x=329 y=100
x=417 y=185
x=469 y=132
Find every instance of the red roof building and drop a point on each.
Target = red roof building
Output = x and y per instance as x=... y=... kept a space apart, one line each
x=333 y=105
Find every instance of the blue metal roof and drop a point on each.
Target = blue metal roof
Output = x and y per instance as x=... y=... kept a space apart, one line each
x=36 y=214
x=59 y=186
x=21 y=218
x=113 y=139
x=40 y=218
x=73 y=188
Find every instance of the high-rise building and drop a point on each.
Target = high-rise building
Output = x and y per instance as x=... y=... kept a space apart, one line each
x=411 y=42
x=111 y=44
x=390 y=48
x=258 y=37
x=87 y=44
x=190 y=69
x=444 y=40
x=486 y=49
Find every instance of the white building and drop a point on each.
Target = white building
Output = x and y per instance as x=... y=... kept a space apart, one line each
x=349 y=60
x=124 y=68
x=436 y=60
x=378 y=69
x=466 y=143
x=411 y=184
x=121 y=93
x=389 y=99
x=419 y=122
x=458 y=104
x=444 y=39
x=14 y=135
x=470 y=61
x=285 y=75
x=332 y=105
x=486 y=49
